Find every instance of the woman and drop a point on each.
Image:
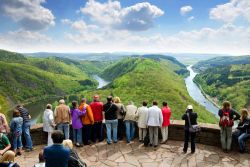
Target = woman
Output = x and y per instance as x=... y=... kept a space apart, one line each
x=76 y=115
x=166 y=113
x=4 y=128
x=121 y=111
x=244 y=129
x=74 y=160
x=227 y=117
x=190 y=118
x=48 y=122
x=16 y=131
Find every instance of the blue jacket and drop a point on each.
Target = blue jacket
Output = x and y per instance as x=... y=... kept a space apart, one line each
x=56 y=156
x=16 y=125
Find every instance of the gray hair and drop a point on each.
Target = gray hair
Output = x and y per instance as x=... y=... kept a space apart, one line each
x=61 y=101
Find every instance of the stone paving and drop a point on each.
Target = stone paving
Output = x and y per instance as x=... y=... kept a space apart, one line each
x=136 y=155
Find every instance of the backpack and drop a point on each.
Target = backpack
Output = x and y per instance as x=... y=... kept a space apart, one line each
x=2 y=124
x=75 y=161
x=225 y=120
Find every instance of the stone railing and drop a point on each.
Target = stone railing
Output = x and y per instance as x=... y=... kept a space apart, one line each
x=209 y=135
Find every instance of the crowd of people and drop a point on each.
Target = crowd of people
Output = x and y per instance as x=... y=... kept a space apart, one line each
x=120 y=121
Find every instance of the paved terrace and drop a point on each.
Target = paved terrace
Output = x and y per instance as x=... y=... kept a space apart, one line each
x=136 y=155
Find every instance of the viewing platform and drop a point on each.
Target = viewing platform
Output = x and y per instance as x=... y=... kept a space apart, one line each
x=208 y=151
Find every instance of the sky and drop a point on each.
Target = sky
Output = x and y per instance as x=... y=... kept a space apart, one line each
x=154 y=26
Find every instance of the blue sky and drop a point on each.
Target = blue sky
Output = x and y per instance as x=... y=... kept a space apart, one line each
x=179 y=26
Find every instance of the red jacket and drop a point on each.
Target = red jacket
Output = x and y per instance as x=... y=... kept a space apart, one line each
x=97 y=109
x=166 y=113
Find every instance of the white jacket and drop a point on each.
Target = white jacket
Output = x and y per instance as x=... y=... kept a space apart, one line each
x=48 y=120
x=155 y=116
x=142 y=114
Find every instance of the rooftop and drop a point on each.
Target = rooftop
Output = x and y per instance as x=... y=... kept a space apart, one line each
x=135 y=154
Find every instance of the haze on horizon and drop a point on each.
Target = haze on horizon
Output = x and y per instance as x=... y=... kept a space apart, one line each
x=153 y=26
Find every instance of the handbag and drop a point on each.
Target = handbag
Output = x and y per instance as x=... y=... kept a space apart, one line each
x=193 y=128
x=146 y=140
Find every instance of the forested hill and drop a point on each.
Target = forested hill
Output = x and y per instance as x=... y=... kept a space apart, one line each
x=229 y=81
x=24 y=79
x=139 y=79
x=220 y=62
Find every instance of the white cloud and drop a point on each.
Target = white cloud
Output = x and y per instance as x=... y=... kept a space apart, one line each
x=230 y=11
x=138 y=17
x=23 y=39
x=191 y=18
x=185 y=9
x=30 y=14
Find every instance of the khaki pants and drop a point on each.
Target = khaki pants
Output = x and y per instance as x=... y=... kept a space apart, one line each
x=153 y=135
x=164 y=133
x=142 y=133
x=7 y=156
x=226 y=137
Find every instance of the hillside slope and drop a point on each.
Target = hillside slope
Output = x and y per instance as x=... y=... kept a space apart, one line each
x=227 y=83
x=220 y=62
x=139 y=79
x=25 y=79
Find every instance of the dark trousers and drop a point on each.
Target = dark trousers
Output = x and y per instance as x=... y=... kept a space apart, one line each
x=97 y=131
x=187 y=134
x=86 y=134
x=121 y=129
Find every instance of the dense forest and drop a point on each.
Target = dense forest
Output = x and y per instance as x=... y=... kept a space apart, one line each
x=228 y=82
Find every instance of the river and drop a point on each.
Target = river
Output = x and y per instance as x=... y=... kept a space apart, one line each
x=195 y=92
x=101 y=81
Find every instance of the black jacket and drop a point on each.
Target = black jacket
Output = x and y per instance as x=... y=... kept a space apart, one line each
x=110 y=111
x=193 y=119
x=244 y=126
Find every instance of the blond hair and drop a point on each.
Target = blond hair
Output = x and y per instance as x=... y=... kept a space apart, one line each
x=244 y=114
x=117 y=99
x=68 y=143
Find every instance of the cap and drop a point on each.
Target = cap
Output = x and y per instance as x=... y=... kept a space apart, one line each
x=189 y=107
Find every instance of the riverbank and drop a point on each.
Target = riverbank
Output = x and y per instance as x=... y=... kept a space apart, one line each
x=209 y=98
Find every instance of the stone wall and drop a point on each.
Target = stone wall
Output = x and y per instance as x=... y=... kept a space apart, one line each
x=209 y=135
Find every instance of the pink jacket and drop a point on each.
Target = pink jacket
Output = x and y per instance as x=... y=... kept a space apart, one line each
x=166 y=113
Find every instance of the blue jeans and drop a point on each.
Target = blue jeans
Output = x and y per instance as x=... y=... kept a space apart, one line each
x=77 y=136
x=242 y=139
x=130 y=130
x=17 y=141
x=64 y=127
x=111 y=125
x=26 y=133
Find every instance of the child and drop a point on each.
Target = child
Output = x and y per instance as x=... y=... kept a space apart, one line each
x=16 y=131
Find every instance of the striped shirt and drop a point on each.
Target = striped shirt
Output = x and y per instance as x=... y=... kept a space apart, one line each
x=24 y=114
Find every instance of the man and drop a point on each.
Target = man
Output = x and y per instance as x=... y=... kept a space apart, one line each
x=87 y=121
x=155 y=120
x=97 y=109
x=26 y=127
x=111 y=119
x=130 y=121
x=56 y=155
x=142 y=115
x=63 y=118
